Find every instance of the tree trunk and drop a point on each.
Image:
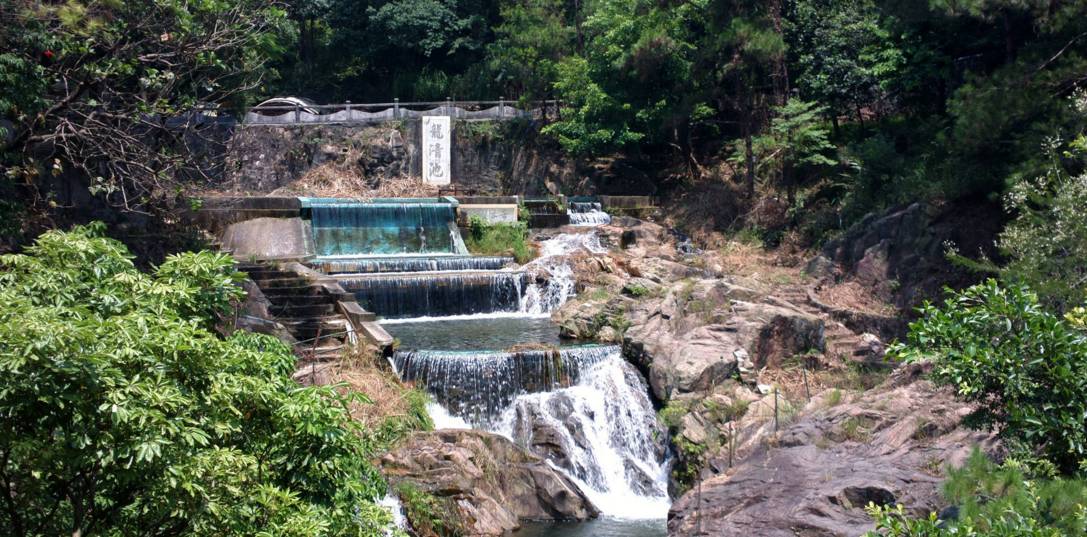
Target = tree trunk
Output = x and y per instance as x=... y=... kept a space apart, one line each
x=781 y=73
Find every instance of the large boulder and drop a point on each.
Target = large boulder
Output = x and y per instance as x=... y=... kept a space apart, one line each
x=493 y=483
x=702 y=332
x=888 y=446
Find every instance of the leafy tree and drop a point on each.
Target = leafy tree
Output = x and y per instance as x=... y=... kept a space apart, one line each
x=995 y=500
x=125 y=414
x=796 y=140
x=531 y=40
x=1024 y=369
x=842 y=54
x=633 y=83
x=107 y=88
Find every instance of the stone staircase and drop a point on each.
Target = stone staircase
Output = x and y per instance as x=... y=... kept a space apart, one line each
x=842 y=343
x=306 y=309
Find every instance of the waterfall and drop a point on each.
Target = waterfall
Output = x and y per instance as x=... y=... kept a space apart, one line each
x=345 y=228
x=392 y=502
x=560 y=285
x=583 y=409
x=602 y=432
x=411 y=263
x=436 y=293
x=478 y=386
x=587 y=213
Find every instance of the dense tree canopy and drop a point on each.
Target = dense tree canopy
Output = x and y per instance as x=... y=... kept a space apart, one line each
x=123 y=413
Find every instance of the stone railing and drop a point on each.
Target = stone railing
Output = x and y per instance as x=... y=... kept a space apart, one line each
x=302 y=114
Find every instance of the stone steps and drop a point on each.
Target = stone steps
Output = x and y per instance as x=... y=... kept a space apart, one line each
x=305 y=309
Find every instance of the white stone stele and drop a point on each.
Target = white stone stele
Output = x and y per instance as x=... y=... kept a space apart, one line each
x=437 y=140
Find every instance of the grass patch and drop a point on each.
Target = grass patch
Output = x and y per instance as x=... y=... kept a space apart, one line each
x=672 y=413
x=485 y=238
x=725 y=413
x=834 y=398
x=855 y=429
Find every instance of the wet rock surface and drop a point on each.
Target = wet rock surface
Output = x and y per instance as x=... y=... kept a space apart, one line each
x=888 y=445
x=493 y=483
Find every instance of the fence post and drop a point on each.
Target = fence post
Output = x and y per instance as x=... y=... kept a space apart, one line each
x=449 y=106
x=775 y=408
x=501 y=107
x=297 y=114
x=348 y=120
x=396 y=108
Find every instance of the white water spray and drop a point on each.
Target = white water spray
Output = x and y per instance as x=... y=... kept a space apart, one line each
x=608 y=438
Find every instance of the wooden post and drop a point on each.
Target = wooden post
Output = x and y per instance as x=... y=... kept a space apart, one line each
x=396 y=108
x=731 y=442
x=775 y=408
x=297 y=114
x=501 y=107
x=348 y=112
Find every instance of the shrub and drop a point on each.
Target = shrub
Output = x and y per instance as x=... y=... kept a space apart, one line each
x=1023 y=368
x=499 y=239
x=123 y=409
x=996 y=501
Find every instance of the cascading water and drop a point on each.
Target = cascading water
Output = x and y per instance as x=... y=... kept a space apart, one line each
x=587 y=213
x=412 y=264
x=603 y=432
x=559 y=287
x=436 y=294
x=479 y=385
x=584 y=409
x=350 y=228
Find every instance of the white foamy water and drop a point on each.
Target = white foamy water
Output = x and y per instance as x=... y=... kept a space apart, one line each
x=443 y=419
x=392 y=502
x=609 y=437
x=587 y=214
x=543 y=299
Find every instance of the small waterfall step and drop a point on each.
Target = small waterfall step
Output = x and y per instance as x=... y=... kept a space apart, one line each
x=479 y=385
x=409 y=263
x=436 y=294
x=587 y=213
x=391 y=226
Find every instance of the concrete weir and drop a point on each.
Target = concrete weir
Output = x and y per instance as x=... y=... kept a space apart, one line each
x=439 y=293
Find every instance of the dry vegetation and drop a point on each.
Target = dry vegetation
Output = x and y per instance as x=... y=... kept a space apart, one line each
x=339 y=180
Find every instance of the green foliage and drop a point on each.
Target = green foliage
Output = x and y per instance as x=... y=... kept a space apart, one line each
x=672 y=413
x=1047 y=241
x=842 y=54
x=89 y=83
x=995 y=501
x=499 y=239
x=123 y=410
x=1024 y=368
x=429 y=514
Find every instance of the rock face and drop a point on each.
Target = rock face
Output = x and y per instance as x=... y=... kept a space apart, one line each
x=886 y=446
x=900 y=254
x=701 y=332
x=263 y=159
x=493 y=483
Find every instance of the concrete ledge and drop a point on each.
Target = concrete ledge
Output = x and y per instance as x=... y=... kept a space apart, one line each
x=268 y=239
x=491 y=213
x=488 y=200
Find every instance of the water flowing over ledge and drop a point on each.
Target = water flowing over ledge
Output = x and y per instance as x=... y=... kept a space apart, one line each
x=410 y=263
x=437 y=293
x=587 y=213
x=478 y=386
